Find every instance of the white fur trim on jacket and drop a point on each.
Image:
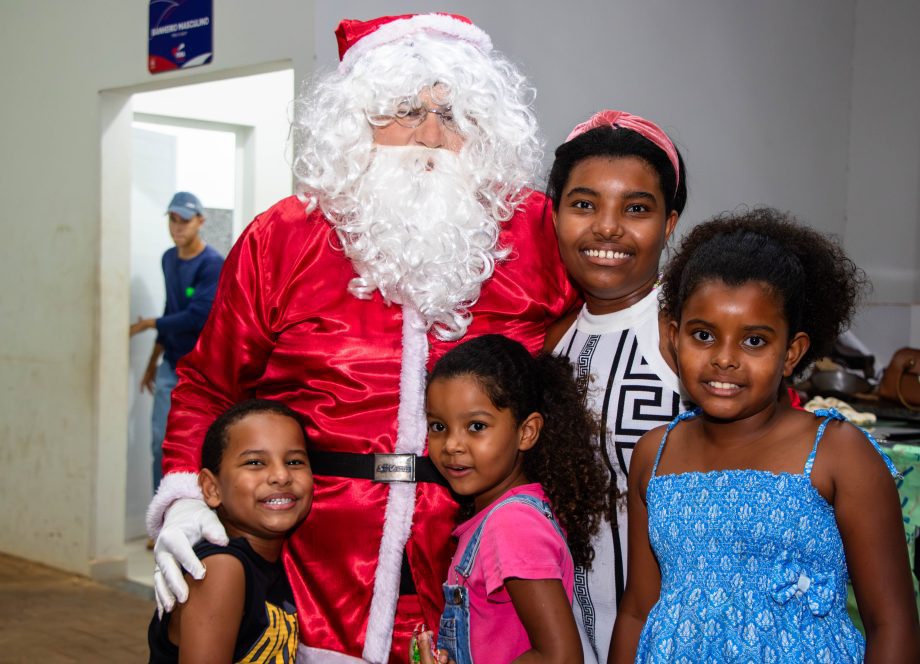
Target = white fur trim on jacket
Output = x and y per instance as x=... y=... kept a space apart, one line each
x=307 y=655
x=173 y=486
x=397 y=524
x=433 y=23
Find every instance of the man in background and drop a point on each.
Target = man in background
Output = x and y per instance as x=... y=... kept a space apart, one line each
x=191 y=270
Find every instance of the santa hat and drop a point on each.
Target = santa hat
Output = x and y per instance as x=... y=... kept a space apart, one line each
x=356 y=38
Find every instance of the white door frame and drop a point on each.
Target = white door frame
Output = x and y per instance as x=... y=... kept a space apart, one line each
x=110 y=356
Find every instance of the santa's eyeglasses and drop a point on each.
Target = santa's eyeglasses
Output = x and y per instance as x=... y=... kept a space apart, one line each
x=413 y=117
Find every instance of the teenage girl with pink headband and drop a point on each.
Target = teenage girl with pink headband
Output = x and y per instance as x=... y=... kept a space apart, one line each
x=618 y=187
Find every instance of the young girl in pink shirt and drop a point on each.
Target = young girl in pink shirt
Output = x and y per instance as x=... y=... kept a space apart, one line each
x=511 y=434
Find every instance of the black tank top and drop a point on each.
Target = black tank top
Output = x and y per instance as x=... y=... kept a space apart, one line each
x=269 y=624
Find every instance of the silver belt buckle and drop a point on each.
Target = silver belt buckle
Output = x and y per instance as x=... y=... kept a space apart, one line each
x=394 y=467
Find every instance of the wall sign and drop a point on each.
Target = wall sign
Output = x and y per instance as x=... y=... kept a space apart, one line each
x=179 y=34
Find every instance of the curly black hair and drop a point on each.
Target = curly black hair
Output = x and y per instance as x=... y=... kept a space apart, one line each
x=817 y=283
x=564 y=460
x=218 y=434
x=618 y=142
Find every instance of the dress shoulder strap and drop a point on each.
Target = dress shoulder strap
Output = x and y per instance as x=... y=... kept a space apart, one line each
x=833 y=414
x=680 y=418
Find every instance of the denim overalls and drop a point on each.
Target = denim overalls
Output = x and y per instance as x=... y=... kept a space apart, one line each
x=454 y=630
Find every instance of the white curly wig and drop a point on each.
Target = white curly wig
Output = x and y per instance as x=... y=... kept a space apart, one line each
x=490 y=99
x=334 y=150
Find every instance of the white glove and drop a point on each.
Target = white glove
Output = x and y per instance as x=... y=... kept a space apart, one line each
x=187 y=522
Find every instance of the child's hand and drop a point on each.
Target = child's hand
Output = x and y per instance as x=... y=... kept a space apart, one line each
x=425 y=648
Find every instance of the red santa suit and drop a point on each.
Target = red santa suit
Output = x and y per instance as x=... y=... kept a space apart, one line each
x=284 y=326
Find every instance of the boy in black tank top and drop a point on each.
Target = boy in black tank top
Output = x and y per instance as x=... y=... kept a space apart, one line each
x=256 y=475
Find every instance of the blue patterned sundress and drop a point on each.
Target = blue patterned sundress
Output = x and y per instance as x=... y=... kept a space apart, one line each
x=752 y=567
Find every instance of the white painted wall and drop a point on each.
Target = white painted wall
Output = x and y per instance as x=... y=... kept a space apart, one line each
x=154 y=165
x=64 y=315
x=757 y=94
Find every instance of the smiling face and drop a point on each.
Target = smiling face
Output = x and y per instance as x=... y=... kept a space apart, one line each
x=733 y=348
x=475 y=445
x=612 y=227
x=265 y=486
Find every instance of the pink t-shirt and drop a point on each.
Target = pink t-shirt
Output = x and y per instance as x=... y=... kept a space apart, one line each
x=517 y=542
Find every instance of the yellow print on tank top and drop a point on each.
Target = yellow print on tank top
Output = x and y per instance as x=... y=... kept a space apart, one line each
x=278 y=644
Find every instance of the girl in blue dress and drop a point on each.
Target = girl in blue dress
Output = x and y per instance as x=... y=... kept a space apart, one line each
x=748 y=517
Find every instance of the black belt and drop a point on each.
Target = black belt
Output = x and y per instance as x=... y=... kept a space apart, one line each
x=376 y=467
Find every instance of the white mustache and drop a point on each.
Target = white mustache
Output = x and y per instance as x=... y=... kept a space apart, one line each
x=420 y=234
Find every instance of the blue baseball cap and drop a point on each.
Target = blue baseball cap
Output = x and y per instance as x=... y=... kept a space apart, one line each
x=186 y=205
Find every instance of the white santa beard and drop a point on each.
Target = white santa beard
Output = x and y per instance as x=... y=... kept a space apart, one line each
x=414 y=229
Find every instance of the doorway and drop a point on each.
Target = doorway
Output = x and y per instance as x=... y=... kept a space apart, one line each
x=226 y=141
x=169 y=155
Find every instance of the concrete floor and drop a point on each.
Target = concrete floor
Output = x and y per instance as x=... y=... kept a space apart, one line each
x=53 y=617
x=140 y=563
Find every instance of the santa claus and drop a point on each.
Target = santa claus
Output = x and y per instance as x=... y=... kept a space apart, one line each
x=412 y=229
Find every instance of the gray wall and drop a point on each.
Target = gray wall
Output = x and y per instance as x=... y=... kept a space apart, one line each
x=808 y=106
x=811 y=107
x=754 y=93
x=882 y=224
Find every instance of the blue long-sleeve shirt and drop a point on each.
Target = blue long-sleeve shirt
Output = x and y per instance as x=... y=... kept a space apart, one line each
x=190 y=288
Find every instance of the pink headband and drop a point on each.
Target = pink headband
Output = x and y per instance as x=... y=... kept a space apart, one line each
x=646 y=128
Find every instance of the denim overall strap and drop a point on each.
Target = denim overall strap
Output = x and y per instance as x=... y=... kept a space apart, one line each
x=833 y=414
x=454 y=628
x=680 y=418
x=465 y=566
